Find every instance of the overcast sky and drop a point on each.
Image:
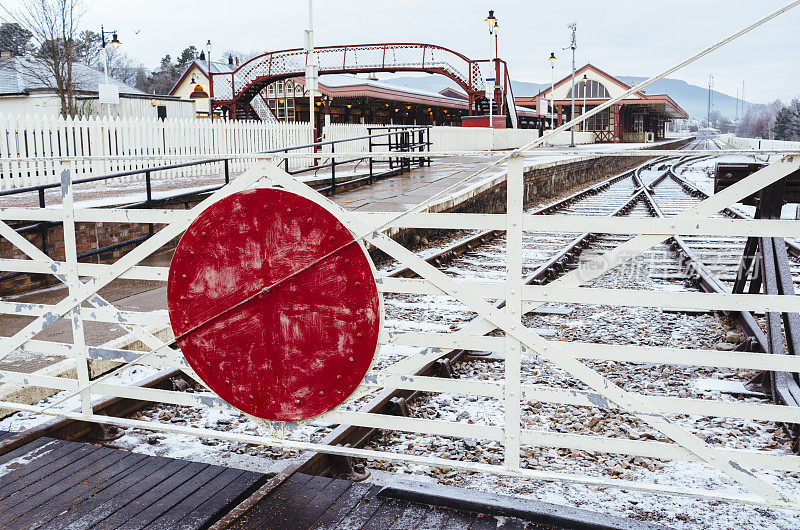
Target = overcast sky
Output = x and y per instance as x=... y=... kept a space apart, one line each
x=622 y=37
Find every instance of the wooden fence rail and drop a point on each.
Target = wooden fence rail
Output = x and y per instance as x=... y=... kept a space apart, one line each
x=132 y=144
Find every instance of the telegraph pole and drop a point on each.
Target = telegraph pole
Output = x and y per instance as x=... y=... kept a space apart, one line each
x=708 y=113
x=312 y=71
x=744 y=101
x=572 y=46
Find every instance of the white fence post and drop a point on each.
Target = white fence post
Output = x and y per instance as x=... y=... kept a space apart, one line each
x=514 y=206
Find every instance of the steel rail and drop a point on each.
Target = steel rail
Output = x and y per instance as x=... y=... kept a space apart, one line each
x=706 y=279
x=395 y=401
x=757 y=339
x=792 y=247
x=464 y=245
x=72 y=429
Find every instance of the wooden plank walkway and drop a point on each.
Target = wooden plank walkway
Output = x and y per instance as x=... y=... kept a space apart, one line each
x=312 y=502
x=54 y=484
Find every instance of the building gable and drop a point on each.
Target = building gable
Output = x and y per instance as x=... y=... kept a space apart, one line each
x=614 y=86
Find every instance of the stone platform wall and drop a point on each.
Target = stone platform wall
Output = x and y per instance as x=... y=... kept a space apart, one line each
x=543 y=182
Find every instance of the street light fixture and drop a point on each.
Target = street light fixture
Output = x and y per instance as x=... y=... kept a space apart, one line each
x=492 y=21
x=585 y=79
x=493 y=30
x=115 y=43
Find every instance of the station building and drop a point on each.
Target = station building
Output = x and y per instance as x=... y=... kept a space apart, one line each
x=639 y=117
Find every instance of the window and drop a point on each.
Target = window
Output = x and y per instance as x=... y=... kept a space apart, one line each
x=638 y=123
x=599 y=122
x=594 y=90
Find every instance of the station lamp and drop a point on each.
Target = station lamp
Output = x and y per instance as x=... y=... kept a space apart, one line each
x=552 y=87
x=492 y=21
x=193 y=83
x=583 y=110
x=115 y=43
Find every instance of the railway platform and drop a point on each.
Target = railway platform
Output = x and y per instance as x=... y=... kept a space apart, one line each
x=50 y=483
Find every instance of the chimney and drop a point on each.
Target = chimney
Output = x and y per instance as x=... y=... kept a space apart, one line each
x=230 y=60
x=237 y=61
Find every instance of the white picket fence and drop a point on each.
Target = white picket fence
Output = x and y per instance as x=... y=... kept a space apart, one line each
x=480 y=138
x=131 y=144
x=31 y=146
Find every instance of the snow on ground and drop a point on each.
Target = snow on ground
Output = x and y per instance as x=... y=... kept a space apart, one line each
x=587 y=323
x=610 y=325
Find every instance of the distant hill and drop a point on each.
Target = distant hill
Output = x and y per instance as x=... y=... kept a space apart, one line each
x=692 y=98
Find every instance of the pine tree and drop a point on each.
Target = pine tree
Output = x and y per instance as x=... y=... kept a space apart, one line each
x=781 y=129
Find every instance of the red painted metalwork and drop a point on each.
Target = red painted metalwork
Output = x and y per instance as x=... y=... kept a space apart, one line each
x=274 y=304
x=253 y=75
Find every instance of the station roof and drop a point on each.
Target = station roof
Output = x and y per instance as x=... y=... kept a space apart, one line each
x=350 y=86
x=21 y=76
x=660 y=104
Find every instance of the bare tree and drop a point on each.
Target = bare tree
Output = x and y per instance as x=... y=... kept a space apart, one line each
x=53 y=25
x=759 y=120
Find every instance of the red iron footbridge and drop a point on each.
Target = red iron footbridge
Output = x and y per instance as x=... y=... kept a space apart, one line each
x=237 y=91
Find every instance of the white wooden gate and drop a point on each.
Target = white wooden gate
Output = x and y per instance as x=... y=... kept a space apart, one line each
x=517 y=342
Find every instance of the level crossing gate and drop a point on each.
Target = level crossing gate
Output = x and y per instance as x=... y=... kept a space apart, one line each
x=516 y=343
x=745 y=467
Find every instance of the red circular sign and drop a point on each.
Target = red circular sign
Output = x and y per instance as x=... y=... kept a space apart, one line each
x=274 y=304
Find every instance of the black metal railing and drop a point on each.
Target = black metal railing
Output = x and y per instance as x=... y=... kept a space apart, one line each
x=398 y=138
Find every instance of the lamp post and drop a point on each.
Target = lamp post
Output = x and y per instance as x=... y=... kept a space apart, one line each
x=114 y=44
x=583 y=111
x=210 y=82
x=552 y=88
x=312 y=71
x=492 y=21
x=572 y=46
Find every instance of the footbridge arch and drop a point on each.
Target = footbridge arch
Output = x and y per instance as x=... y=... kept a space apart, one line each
x=237 y=89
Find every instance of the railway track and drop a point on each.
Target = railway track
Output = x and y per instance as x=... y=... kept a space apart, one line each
x=653 y=189
x=657 y=188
